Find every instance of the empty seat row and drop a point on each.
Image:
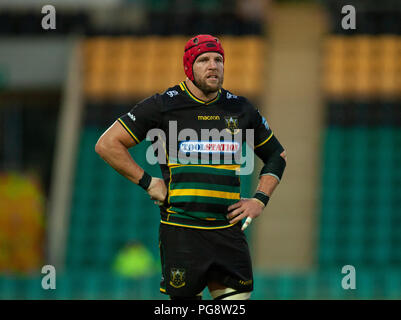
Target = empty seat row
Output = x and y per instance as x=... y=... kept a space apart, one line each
x=127 y=67
x=361 y=66
x=360 y=221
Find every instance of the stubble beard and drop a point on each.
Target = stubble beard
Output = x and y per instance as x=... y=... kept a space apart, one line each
x=206 y=88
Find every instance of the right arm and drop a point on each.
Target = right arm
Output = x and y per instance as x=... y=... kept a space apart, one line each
x=113 y=147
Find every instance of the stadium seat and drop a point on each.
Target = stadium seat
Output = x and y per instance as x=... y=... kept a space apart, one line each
x=126 y=67
x=366 y=65
x=356 y=215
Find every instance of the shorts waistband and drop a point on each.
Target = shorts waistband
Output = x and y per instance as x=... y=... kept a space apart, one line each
x=192 y=223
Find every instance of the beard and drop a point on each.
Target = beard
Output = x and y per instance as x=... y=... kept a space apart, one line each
x=208 y=88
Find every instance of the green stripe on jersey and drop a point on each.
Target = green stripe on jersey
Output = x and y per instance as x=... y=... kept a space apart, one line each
x=203 y=169
x=198 y=214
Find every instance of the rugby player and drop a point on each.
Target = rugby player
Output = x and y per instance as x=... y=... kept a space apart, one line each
x=201 y=236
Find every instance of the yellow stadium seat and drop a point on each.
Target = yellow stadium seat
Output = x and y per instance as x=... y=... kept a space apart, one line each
x=334 y=84
x=138 y=66
x=360 y=45
x=387 y=84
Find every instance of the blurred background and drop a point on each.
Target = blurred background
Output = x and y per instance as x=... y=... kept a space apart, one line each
x=332 y=96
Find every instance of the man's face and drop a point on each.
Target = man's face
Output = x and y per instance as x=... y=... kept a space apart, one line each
x=208 y=70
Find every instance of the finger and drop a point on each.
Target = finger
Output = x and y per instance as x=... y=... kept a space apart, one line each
x=238 y=218
x=160 y=197
x=235 y=213
x=234 y=206
x=246 y=223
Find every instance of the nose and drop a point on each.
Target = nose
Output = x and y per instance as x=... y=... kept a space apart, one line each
x=212 y=64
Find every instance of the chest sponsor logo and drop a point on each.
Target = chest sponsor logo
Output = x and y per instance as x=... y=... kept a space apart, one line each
x=209 y=146
x=232 y=124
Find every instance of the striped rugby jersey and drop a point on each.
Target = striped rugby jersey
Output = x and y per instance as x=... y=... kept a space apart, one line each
x=200 y=171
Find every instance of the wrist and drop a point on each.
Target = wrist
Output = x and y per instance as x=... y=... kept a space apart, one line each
x=261 y=197
x=259 y=202
x=145 y=181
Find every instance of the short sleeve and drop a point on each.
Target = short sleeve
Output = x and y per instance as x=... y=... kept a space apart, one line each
x=143 y=117
x=262 y=131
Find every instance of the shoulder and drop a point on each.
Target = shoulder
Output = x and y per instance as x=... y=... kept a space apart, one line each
x=173 y=98
x=232 y=98
x=172 y=92
x=153 y=102
x=159 y=100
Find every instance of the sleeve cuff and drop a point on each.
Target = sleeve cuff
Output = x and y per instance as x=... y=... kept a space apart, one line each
x=128 y=130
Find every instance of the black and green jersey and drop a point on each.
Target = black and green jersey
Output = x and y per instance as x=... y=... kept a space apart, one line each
x=199 y=144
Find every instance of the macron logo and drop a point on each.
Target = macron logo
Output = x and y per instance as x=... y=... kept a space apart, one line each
x=131 y=116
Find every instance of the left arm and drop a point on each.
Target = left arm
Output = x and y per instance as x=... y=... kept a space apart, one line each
x=275 y=158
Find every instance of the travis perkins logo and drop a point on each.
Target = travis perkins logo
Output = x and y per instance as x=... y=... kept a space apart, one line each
x=177 y=277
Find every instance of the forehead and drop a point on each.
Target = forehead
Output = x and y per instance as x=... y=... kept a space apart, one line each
x=210 y=55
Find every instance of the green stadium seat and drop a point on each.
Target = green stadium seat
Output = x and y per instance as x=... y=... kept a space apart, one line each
x=358 y=204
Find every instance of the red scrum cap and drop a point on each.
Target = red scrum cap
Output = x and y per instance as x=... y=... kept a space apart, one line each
x=197 y=45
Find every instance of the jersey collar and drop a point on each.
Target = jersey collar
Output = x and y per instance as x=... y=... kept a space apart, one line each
x=184 y=88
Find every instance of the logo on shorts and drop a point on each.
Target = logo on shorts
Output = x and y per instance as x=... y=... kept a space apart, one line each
x=245 y=283
x=232 y=124
x=177 y=277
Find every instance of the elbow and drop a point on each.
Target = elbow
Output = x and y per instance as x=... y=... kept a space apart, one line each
x=101 y=147
x=284 y=156
x=107 y=146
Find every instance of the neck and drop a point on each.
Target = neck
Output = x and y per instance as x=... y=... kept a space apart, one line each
x=199 y=93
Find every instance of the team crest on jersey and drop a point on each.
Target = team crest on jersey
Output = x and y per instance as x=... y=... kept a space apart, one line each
x=232 y=124
x=177 y=277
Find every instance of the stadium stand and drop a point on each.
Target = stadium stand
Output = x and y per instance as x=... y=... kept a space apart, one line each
x=362 y=66
x=360 y=206
x=113 y=65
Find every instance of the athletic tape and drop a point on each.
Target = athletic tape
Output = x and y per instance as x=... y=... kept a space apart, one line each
x=247 y=223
